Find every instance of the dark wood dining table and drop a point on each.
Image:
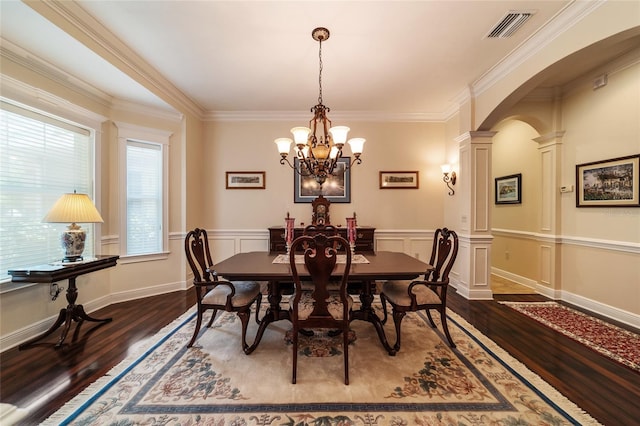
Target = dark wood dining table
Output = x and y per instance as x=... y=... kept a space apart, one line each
x=381 y=265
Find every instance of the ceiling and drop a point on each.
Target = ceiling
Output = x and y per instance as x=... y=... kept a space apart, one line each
x=388 y=57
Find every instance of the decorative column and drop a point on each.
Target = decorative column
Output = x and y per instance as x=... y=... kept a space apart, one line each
x=472 y=270
x=550 y=150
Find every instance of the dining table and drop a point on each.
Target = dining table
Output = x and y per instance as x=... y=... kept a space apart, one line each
x=366 y=269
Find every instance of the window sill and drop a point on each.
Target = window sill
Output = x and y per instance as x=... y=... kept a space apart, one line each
x=6 y=286
x=143 y=258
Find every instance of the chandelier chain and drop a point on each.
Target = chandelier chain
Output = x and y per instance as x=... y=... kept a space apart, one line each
x=320 y=73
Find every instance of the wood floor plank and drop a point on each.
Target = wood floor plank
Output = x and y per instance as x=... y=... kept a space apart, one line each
x=43 y=378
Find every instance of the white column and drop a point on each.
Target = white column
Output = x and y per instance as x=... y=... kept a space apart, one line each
x=473 y=266
x=550 y=150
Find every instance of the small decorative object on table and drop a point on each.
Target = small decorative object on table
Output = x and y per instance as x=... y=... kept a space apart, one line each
x=289 y=225
x=351 y=233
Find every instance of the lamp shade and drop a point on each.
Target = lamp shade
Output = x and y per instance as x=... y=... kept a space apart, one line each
x=73 y=208
x=357 y=145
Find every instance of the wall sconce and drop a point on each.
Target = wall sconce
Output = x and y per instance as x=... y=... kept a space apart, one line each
x=449 y=177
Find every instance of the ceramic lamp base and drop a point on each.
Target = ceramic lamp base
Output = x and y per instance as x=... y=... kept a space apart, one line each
x=72 y=241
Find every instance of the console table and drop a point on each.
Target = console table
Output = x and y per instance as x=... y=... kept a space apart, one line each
x=364 y=238
x=51 y=273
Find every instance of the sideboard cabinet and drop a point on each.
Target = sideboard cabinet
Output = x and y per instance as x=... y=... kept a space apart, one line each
x=364 y=238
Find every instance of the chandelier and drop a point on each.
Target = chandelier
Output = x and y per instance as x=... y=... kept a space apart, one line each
x=319 y=146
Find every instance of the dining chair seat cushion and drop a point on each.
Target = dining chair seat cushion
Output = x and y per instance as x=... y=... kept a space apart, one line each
x=246 y=291
x=398 y=294
x=305 y=307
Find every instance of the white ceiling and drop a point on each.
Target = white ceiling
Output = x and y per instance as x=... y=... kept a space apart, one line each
x=392 y=57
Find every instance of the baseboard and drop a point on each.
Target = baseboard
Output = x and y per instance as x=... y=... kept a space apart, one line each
x=582 y=302
x=607 y=311
x=518 y=279
x=14 y=339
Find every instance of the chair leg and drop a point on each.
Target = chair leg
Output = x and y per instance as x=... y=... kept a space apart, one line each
x=443 y=316
x=213 y=317
x=197 y=329
x=397 y=320
x=295 y=354
x=345 y=343
x=428 y=311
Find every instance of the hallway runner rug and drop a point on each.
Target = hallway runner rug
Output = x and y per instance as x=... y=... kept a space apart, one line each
x=215 y=383
x=607 y=339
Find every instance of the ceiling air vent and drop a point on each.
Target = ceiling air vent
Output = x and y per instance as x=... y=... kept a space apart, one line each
x=509 y=24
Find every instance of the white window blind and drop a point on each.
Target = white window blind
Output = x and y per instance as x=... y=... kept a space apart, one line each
x=144 y=197
x=41 y=158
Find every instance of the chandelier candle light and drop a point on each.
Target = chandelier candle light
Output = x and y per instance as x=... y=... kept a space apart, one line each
x=319 y=146
x=73 y=208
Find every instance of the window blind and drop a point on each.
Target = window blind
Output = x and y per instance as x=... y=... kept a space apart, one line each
x=41 y=158
x=144 y=197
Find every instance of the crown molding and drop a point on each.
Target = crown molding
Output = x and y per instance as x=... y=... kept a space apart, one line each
x=27 y=60
x=72 y=18
x=371 y=116
x=23 y=94
x=566 y=18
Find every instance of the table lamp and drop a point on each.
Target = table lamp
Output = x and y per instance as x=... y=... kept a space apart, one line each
x=73 y=208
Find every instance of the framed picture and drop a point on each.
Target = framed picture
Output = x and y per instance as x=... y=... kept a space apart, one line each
x=245 y=180
x=608 y=183
x=399 y=180
x=337 y=187
x=509 y=189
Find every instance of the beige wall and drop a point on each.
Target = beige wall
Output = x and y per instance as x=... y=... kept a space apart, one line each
x=602 y=124
x=599 y=262
x=248 y=146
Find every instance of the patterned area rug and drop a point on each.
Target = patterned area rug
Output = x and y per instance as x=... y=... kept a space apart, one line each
x=214 y=383
x=614 y=342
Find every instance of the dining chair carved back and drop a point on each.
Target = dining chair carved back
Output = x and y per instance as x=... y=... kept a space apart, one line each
x=428 y=293
x=217 y=294
x=318 y=307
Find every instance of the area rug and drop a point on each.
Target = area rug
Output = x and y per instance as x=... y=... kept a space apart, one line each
x=609 y=340
x=426 y=383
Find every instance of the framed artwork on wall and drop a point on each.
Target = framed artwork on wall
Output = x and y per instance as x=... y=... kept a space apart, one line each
x=245 y=180
x=399 y=180
x=608 y=183
x=337 y=187
x=508 y=189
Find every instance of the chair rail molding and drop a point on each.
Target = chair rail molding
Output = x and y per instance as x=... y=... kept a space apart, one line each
x=614 y=245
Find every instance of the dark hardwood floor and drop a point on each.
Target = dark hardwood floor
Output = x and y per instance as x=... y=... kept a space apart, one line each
x=42 y=378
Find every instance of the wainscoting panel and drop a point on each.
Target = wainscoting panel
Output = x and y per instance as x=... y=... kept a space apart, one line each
x=416 y=243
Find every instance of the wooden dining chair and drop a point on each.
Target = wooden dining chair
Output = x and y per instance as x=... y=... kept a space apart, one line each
x=216 y=294
x=427 y=294
x=319 y=307
x=320 y=229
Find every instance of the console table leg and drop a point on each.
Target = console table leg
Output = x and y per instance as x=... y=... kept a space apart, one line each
x=82 y=315
x=61 y=318
x=66 y=317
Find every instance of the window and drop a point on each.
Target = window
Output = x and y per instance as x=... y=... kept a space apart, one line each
x=144 y=157
x=41 y=158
